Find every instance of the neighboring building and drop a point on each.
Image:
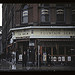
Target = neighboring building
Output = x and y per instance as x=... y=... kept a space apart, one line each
x=1 y=40
x=40 y=29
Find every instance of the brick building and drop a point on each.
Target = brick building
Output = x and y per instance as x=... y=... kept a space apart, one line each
x=40 y=29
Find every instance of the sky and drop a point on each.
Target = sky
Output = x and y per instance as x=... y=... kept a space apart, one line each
x=0 y=14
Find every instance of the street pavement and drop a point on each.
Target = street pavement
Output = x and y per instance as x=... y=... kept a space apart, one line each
x=7 y=66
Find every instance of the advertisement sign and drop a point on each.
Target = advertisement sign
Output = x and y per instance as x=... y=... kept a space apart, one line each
x=51 y=58
x=69 y=58
x=31 y=44
x=20 y=57
x=59 y=58
x=63 y=58
x=44 y=56
x=55 y=59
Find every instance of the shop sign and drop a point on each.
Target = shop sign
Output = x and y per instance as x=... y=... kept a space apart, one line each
x=72 y=36
x=59 y=58
x=55 y=59
x=52 y=58
x=63 y=58
x=11 y=40
x=44 y=56
x=24 y=37
x=20 y=57
x=69 y=58
x=31 y=44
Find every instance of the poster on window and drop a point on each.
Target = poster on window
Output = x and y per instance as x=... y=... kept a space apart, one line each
x=52 y=59
x=69 y=58
x=59 y=58
x=20 y=57
x=44 y=56
x=55 y=59
x=63 y=58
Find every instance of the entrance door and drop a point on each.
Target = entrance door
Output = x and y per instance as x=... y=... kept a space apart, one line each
x=45 y=52
x=21 y=46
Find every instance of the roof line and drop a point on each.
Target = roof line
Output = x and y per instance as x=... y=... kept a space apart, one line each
x=32 y=27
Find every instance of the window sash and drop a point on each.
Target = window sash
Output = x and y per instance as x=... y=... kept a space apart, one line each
x=60 y=14
x=73 y=14
x=44 y=18
x=44 y=11
x=24 y=16
x=25 y=13
x=45 y=15
x=25 y=19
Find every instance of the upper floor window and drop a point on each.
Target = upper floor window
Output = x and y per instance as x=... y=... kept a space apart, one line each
x=25 y=14
x=73 y=15
x=45 y=13
x=60 y=14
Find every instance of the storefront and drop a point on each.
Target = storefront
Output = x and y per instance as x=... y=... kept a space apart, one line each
x=61 y=51
x=39 y=42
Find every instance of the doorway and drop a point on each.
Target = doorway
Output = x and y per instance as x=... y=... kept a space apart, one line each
x=21 y=47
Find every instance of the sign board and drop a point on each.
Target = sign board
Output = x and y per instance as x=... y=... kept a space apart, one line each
x=59 y=58
x=51 y=58
x=63 y=58
x=13 y=67
x=69 y=58
x=55 y=59
x=20 y=57
x=31 y=44
x=44 y=56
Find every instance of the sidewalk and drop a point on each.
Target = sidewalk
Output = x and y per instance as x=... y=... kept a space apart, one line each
x=7 y=66
x=43 y=68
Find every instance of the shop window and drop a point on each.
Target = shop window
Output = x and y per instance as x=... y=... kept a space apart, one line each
x=48 y=50
x=68 y=51
x=61 y=50
x=43 y=49
x=72 y=51
x=54 y=51
x=25 y=14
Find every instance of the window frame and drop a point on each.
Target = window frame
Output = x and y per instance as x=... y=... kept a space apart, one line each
x=42 y=8
x=45 y=15
x=72 y=22
x=24 y=9
x=60 y=7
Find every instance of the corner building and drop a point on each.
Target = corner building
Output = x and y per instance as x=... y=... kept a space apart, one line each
x=40 y=29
